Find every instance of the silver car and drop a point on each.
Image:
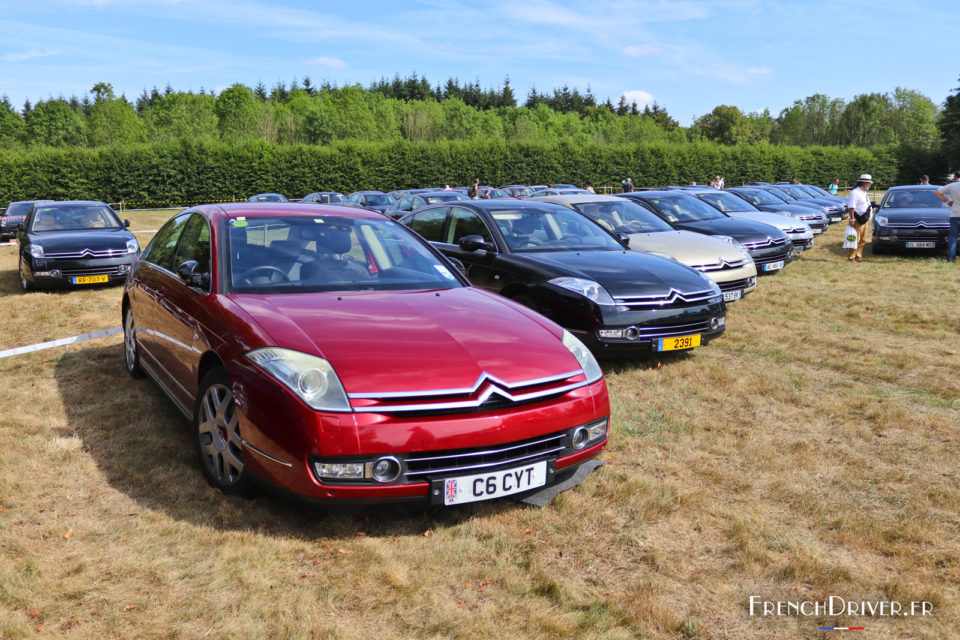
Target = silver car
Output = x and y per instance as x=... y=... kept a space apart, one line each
x=799 y=232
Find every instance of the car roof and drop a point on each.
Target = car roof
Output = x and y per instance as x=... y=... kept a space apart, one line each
x=238 y=209
x=578 y=198
x=904 y=187
x=72 y=203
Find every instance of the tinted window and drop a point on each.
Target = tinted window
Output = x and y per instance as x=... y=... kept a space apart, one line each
x=680 y=207
x=466 y=223
x=725 y=201
x=17 y=209
x=756 y=197
x=919 y=198
x=163 y=247
x=195 y=244
x=429 y=223
x=553 y=229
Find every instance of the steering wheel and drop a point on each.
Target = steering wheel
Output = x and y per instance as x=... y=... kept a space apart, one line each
x=273 y=275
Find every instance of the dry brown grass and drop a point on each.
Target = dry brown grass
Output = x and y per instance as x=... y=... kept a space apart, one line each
x=810 y=452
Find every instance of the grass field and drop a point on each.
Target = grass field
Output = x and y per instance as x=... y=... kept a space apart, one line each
x=810 y=452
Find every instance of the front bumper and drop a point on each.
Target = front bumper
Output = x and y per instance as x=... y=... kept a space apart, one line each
x=910 y=237
x=770 y=261
x=41 y=272
x=649 y=331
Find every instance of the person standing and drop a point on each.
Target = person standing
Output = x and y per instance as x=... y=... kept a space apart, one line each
x=474 y=190
x=834 y=186
x=628 y=185
x=858 y=210
x=924 y=179
x=720 y=182
x=951 y=195
x=589 y=187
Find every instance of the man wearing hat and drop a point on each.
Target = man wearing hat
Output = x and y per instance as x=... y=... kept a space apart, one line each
x=858 y=208
x=951 y=195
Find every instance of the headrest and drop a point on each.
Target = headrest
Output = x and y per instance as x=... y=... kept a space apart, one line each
x=526 y=225
x=333 y=240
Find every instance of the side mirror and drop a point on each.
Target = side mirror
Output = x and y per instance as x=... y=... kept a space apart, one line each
x=459 y=265
x=624 y=238
x=126 y=223
x=189 y=273
x=472 y=243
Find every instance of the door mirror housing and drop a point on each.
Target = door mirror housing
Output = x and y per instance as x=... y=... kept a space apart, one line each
x=473 y=243
x=189 y=272
x=458 y=264
x=126 y=223
x=624 y=238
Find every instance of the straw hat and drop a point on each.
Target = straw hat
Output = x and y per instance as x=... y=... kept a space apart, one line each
x=865 y=177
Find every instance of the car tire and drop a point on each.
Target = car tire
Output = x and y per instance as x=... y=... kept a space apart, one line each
x=24 y=284
x=131 y=350
x=216 y=424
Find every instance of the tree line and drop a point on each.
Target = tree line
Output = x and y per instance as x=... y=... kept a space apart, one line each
x=412 y=109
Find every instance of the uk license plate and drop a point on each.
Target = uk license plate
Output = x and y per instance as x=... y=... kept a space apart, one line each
x=681 y=342
x=921 y=245
x=90 y=279
x=729 y=296
x=773 y=266
x=495 y=484
x=834 y=218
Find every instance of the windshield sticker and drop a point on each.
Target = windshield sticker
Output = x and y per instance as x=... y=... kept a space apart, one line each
x=444 y=272
x=239 y=222
x=318 y=220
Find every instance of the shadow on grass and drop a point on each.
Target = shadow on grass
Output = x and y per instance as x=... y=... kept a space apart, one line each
x=144 y=449
x=623 y=364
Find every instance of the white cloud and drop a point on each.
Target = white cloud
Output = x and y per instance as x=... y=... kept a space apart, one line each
x=26 y=55
x=325 y=61
x=642 y=50
x=759 y=71
x=640 y=98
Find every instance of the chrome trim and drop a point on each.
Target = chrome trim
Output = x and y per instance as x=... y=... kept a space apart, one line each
x=918 y=225
x=471 y=404
x=467 y=390
x=264 y=453
x=89 y=253
x=485 y=465
x=671 y=297
x=487 y=452
x=721 y=265
x=763 y=243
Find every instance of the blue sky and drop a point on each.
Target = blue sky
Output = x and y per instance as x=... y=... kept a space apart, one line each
x=688 y=55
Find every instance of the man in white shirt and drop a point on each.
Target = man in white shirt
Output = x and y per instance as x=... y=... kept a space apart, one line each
x=858 y=209
x=951 y=195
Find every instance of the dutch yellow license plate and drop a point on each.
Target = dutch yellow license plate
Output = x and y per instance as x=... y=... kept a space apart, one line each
x=680 y=342
x=90 y=279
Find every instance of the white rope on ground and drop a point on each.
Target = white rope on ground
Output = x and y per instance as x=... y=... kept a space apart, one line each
x=58 y=343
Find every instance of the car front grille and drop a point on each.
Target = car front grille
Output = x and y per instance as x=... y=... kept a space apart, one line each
x=722 y=265
x=918 y=225
x=425 y=464
x=91 y=271
x=88 y=253
x=487 y=394
x=734 y=284
x=763 y=244
x=651 y=332
x=672 y=298
x=777 y=257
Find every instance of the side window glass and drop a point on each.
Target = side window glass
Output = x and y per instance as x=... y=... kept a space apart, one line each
x=195 y=244
x=429 y=224
x=162 y=249
x=466 y=223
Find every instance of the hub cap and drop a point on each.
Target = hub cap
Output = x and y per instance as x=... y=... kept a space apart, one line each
x=221 y=447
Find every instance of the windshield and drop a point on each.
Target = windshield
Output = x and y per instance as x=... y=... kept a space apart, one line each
x=912 y=198
x=329 y=253
x=553 y=229
x=17 y=209
x=268 y=197
x=680 y=207
x=378 y=199
x=518 y=191
x=75 y=218
x=778 y=194
x=817 y=192
x=726 y=201
x=794 y=192
x=623 y=217
x=758 y=197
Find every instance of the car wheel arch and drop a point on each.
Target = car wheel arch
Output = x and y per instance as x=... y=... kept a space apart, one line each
x=208 y=362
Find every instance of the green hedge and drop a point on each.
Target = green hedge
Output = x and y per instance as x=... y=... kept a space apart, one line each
x=194 y=170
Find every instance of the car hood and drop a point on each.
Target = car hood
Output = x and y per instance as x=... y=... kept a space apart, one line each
x=740 y=230
x=621 y=273
x=918 y=216
x=391 y=341
x=93 y=239
x=686 y=246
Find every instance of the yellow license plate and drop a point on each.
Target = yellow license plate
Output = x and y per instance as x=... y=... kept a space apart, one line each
x=680 y=342
x=90 y=279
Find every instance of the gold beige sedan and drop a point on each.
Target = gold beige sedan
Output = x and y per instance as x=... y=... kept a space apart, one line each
x=722 y=259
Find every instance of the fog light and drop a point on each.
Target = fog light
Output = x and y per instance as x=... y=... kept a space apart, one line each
x=124 y=268
x=597 y=430
x=55 y=273
x=339 y=470
x=632 y=333
x=580 y=438
x=385 y=469
x=611 y=333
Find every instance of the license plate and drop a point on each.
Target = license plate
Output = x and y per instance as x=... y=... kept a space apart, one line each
x=682 y=342
x=729 y=296
x=773 y=266
x=921 y=245
x=834 y=218
x=817 y=232
x=496 y=484
x=90 y=279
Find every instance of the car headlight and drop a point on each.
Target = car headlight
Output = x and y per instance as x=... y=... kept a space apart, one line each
x=882 y=221
x=734 y=242
x=587 y=288
x=132 y=246
x=589 y=364
x=36 y=251
x=310 y=378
